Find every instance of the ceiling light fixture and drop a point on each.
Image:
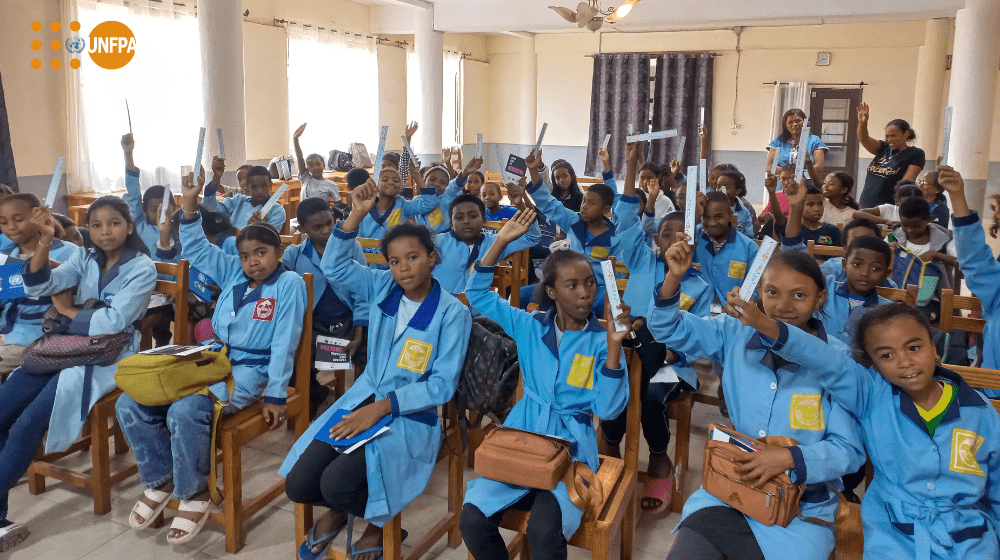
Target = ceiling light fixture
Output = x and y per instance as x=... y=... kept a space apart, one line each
x=623 y=10
x=590 y=15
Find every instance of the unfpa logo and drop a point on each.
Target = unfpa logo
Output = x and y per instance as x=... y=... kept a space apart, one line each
x=111 y=45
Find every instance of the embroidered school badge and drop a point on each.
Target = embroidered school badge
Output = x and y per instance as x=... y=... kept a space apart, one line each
x=686 y=302
x=415 y=356
x=435 y=217
x=737 y=269
x=581 y=373
x=600 y=253
x=964 y=445
x=806 y=413
x=263 y=310
x=394 y=217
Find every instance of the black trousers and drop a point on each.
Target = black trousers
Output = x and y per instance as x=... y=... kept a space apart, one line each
x=482 y=534
x=324 y=477
x=714 y=533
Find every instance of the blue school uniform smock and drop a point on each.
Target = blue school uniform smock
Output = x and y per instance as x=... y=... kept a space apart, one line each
x=837 y=314
x=21 y=318
x=982 y=276
x=125 y=289
x=239 y=208
x=261 y=326
x=564 y=384
x=439 y=219
x=774 y=397
x=375 y=223
x=457 y=256
x=329 y=304
x=744 y=221
x=149 y=232
x=932 y=497
x=725 y=269
x=417 y=371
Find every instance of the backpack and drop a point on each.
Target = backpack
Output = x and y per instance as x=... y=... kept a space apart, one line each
x=489 y=376
x=359 y=155
x=340 y=161
x=909 y=270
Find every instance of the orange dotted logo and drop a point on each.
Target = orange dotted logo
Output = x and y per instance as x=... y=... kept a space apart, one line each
x=74 y=45
x=112 y=45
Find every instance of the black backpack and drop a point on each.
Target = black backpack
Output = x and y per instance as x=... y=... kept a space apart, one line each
x=340 y=161
x=489 y=376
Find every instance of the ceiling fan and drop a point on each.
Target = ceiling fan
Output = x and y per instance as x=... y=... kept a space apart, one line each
x=590 y=15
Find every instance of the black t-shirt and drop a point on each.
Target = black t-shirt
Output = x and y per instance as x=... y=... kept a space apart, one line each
x=885 y=171
x=827 y=234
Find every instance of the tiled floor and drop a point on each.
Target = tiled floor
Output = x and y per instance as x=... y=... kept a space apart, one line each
x=64 y=527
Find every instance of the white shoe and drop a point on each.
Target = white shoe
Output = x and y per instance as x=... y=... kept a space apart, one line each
x=12 y=535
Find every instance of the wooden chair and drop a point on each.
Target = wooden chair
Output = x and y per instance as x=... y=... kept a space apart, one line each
x=951 y=312
x=981 y=378
x=78 y=214
x=451 y=448
x=492 y=177
x=824 y=250
x=376 y=257
x=102 y=424
x=178 y=288
x=236 y=430
x=907 y=296
x=849 y=536
x=620 y=482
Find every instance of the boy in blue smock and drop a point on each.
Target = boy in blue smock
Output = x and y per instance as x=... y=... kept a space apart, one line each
x=240 y=207
x=724 y=253
x=332 y=313
x=418 y=334
x=491 y=196
x=437 y=177
x=390 y=208
x=572 y=368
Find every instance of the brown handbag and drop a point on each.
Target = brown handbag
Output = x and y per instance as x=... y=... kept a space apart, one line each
x=532 y=460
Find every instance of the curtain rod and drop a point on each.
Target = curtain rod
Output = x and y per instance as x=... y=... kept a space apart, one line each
x=399 y=44
x=859 y=84
x=670 y=53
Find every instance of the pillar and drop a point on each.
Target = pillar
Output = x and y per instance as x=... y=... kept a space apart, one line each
x=972 y=95
x=530 y=125
x=928 y=98
x=220 y=27
x=429 y=48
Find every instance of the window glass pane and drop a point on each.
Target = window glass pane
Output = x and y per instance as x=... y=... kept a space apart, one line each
x=836 y=109
x=836 y=157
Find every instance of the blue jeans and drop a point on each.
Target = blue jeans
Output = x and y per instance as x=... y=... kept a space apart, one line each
x=26 y=403
x=170 y=441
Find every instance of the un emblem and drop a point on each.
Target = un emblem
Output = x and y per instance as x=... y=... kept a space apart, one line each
x=76 y=45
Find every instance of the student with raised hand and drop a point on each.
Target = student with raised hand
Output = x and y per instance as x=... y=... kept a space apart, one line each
x=734 y=184
x=117 y=272
x=21 y=318
x=416 y=347
x=895 y=159
x=725 y=255
x=463 y=244
x=572 y=368
x=391 y=209
x=491 y=196
x=241 y=208
x=767 y=396
x=934 y=440
x=804 y=223
x=314 y=185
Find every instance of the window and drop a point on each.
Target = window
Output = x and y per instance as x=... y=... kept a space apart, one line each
x=451 y=114
x=162 y=84
x=333 y=86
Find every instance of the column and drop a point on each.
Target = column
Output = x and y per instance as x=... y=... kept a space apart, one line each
x=429 y=48
x=928 y=98
x=529 y=93
x=220 y=26
x=973 y=91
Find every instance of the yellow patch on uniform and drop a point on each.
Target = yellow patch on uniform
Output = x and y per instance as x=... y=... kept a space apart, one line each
x=415 y=356
x=581 y=373
x=394 y=217
x=435 y=217
x=686 y=302
x=806 y=413
x=964 y=445
x=598 y=252
x=737 y=269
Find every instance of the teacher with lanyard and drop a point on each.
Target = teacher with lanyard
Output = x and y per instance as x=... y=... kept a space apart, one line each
x=895 y=159
x=786 y=146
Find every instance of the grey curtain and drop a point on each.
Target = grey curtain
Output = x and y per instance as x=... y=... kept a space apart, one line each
x=683 y=86
x=619 y=104
x=8 y=175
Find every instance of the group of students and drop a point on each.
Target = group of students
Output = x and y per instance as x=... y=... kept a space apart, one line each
x=785 y=366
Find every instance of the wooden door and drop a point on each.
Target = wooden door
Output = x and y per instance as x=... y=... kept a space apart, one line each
x=833 y=116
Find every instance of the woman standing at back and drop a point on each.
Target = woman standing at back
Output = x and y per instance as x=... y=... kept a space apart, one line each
x=895 y=159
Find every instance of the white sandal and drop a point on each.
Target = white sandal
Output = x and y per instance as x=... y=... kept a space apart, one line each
x=144 y=508
x=191 y=527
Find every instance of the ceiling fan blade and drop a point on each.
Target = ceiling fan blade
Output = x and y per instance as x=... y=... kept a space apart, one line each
x=595 y=24
x=584 y=13
x=566 y=13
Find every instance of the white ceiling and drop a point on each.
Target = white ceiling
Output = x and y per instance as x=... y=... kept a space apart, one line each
x=498 y=16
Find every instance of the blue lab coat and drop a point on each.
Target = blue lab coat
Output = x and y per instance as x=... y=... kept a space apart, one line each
x=564 y=384
x=417 y=371
x=932 y=497
x=768 y=396
x=457 y=257
x=262 y=326
x=375 y=223
x=982 y=276
x=726 y=269
x=125 y=288
x=21 y=318
x=239 y=208
x=837 y=316
x=744 y=221
x=149 y=232
x=439 y=219
x=329 y=303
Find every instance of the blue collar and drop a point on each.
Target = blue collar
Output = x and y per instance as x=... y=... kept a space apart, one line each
x=964 y=396
x=711 y=243
x=381 y=218
x=425 y=313
x=476 y=247
x=240 y=295
x=736 y=205
x=602 y=240
x=548 y=319
x=871 y=299
x=109 y=276
x=774 y=362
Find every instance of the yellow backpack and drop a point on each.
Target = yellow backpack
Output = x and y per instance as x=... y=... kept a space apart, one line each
x=160 y=379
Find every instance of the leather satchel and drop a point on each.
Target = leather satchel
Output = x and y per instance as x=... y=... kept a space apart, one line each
x=776 y=502
x=532 y=460
x=56 y=350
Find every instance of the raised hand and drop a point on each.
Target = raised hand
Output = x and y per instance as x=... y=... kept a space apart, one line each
x=770 y=182
x=624 y=318
x=747 y=312
x=796 y=193
x=863 y=113
x=516 y=226
x=411 y=129
x=653 y=185
x=533 y=161
x=42 y=218
x=675 y=167
x=190 y=190
x=473 y=166
x=218 y=168
x=702 y=132
x=679 y=256
x=298 y=131
x=950 y=180
x=631 y=153
x=128 y=143
x=256 y=218
x=364 y=197
x=605 y=157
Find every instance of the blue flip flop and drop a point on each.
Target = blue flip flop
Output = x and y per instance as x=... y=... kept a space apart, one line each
x=305 y=549
x=379 y=549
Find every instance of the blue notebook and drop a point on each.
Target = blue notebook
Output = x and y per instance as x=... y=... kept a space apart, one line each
x=198 y=283
x=11 y=284
x=324 y=433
